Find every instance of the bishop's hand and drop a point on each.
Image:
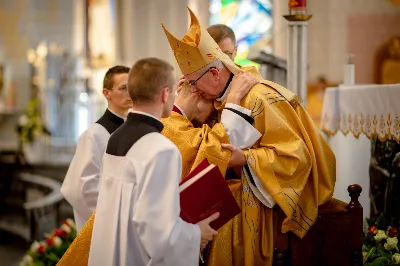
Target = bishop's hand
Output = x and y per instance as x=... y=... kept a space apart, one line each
x=240 y=86
x=180 y=83
x=207 y=233
x=237 y=158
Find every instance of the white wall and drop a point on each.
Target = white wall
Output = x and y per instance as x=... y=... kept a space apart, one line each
x=332 y=34
x=140 y=33
x=329 y=34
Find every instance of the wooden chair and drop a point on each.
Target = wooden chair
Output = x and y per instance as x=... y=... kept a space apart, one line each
x=335 y=239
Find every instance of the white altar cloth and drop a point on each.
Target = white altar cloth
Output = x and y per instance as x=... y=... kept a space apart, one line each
x=363 y=111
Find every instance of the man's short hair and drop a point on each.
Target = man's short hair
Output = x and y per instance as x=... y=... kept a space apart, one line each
x=108 y=81
x=147 y=77
x=220 y=31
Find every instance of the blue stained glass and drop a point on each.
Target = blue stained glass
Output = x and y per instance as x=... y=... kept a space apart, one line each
x=252 y=22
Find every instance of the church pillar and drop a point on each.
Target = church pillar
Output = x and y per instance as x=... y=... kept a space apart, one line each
x=280 y=31
x=201 y=9
x=139 y=31
x=298 y=54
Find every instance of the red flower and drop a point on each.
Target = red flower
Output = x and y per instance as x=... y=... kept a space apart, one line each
x=41 y=249
x=60 y=233
x=393 y=232
x=50 y=242
x=372 y=230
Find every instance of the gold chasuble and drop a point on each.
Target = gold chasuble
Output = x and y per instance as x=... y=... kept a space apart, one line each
x=78 y=252
x=291 y=161
x=196 y=144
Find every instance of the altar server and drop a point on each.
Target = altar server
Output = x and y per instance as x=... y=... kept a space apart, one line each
x=80 y=186
x=137 y=218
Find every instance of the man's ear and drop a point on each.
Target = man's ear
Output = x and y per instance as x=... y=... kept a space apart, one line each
x=214 y=72
x=164 y=94
x=107 y=94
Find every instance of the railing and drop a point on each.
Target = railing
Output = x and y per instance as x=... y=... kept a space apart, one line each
x=40 y=214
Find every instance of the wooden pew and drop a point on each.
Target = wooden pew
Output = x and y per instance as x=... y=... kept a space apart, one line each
x=335 y=238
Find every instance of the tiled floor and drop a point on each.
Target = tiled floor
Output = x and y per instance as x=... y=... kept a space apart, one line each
x=12 y=249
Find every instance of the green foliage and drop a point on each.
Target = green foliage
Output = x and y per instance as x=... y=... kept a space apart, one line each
x=30 y=124
x=378 y=262
x=369 y=221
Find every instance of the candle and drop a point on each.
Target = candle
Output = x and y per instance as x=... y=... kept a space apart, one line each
x=297 y=3
x=297 y=6
x=349 y=72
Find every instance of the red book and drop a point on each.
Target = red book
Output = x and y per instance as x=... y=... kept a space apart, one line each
x=204 y=192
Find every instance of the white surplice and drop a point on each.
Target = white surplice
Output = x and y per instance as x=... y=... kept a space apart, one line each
x=137 y=218
x=80 y=186
x=240 y=132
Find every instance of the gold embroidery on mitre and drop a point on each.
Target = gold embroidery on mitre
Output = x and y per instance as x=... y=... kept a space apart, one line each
x=211 y=55
x=197 y=48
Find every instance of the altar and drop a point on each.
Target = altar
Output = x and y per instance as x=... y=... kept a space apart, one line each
x=352 y=116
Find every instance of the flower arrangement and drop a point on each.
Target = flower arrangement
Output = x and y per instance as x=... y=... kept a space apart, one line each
x=50 y=251
x=30 y=125
x=381 y=243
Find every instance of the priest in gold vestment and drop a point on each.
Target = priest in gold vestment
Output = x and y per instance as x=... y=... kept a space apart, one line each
x=291 y=165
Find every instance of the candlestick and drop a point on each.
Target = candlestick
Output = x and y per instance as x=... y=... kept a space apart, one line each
x=298 y=52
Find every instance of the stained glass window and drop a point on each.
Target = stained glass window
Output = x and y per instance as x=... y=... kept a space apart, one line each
x=251 y=20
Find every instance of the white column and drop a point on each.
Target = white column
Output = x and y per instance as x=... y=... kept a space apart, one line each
x=125 y=47
x=298 y=59
x=303 y=61
x=280 y=32
x=292 y=79
x=201 y=9
x=78 y=27
x=140 y=33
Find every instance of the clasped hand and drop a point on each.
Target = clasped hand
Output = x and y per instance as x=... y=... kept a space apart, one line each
x=240 y=86
x=207 y=233
x=237 y=158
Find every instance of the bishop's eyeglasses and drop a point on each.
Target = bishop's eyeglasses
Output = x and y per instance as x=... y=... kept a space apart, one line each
x=193 y=83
